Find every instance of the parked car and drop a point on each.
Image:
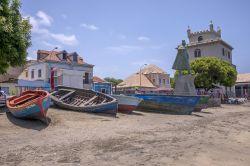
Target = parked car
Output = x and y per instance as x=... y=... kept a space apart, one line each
x=3 y=98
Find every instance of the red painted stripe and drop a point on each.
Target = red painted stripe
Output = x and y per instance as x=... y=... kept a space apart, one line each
x=126 y=108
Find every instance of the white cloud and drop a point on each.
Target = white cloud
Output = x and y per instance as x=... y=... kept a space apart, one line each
x=30 y=58
x=68 y=27
x=122 y=37
x=42 y=21
x=159 y=46
x=143 y=38
x=89 y=27
x=64 y=39
x=64 y=16
x=124 y=48
x=51 y=45
x=147 y=61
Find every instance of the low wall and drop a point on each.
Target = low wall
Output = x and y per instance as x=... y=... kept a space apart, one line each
x=214 y=102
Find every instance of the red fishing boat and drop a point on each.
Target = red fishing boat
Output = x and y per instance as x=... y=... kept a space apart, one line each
x=32 y=104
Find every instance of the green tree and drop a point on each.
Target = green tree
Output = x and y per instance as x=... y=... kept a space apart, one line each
x=15 y=35
x=172 y=82
x=212 y=70
x=114 y=81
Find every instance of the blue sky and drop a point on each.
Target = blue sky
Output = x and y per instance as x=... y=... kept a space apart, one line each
x=119 y=36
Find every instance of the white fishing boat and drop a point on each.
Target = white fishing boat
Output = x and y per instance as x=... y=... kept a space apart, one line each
x=126 y=104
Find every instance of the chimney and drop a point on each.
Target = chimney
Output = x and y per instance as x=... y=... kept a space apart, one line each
x=38 y=55
x=75 y=57
x=64 y=55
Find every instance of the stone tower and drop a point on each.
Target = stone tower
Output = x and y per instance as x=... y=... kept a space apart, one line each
x=208 y=43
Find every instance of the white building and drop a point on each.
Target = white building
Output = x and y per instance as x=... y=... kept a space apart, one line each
x=60 y=68
x=208 y=43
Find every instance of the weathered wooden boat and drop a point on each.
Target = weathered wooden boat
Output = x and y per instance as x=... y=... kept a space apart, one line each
x=126 y=104
x=171 y=104
x=32 y=104
x=202 y=104
x=84 y=100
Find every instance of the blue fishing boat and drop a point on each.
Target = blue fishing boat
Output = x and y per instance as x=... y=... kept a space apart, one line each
x=172 y=104
x=84 y=100
x=32 y=104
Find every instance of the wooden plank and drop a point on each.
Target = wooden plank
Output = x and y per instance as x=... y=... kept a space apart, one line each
x=104 y=101
x=90 y=100
x=68 y=94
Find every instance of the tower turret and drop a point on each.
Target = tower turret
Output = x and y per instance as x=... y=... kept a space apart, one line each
x=211 y=26
x=188 y=31
x=219 y=31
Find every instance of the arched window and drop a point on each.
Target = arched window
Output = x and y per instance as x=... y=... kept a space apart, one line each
x=200 y=38
x=197 y=53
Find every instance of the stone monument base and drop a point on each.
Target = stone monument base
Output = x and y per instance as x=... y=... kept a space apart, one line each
x=184 y=85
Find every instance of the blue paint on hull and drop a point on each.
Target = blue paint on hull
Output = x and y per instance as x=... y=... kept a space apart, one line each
x=168 y=103
x=110 y=108
x=32 y=111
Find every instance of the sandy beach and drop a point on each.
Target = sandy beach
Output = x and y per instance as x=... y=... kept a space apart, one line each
x=216 y=136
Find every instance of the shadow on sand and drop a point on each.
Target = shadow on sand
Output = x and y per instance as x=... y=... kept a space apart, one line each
x=200 y=116
x=161 y=112
x=132 y=113
x=204 y=112
x=28 y=123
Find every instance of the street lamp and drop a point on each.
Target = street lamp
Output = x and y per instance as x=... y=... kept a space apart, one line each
x=140 y=73
x=54 y=48
x=51 y=52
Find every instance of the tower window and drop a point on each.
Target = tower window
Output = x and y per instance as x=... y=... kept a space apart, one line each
x=229 y=55
x=223 y=51
x=200 y=38
x=197 y=53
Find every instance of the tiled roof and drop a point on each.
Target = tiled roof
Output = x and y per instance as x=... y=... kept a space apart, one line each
x=243 y=78
x=152 y=69
x=12 y=74
x=43 y=55
x=134 y=81
x=98 y=80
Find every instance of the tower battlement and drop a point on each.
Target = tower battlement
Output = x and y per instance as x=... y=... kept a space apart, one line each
x=209 y=34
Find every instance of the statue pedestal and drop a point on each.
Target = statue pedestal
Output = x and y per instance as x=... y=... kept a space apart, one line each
x=184 y=85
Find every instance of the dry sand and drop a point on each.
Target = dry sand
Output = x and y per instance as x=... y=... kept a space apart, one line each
x=217 y=136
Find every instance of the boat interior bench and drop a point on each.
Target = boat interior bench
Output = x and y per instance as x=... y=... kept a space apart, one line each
x=23 y=99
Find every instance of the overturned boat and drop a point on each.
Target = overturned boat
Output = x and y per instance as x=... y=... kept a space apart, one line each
x=84 y=100
x=171 y=104
x=32 y=104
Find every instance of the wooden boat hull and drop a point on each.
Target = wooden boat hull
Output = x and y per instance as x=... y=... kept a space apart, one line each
x=36 y=109
x=107 y=108
x=127 y=104
x=203 y=102
x=32 y=112
x=170 y=104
